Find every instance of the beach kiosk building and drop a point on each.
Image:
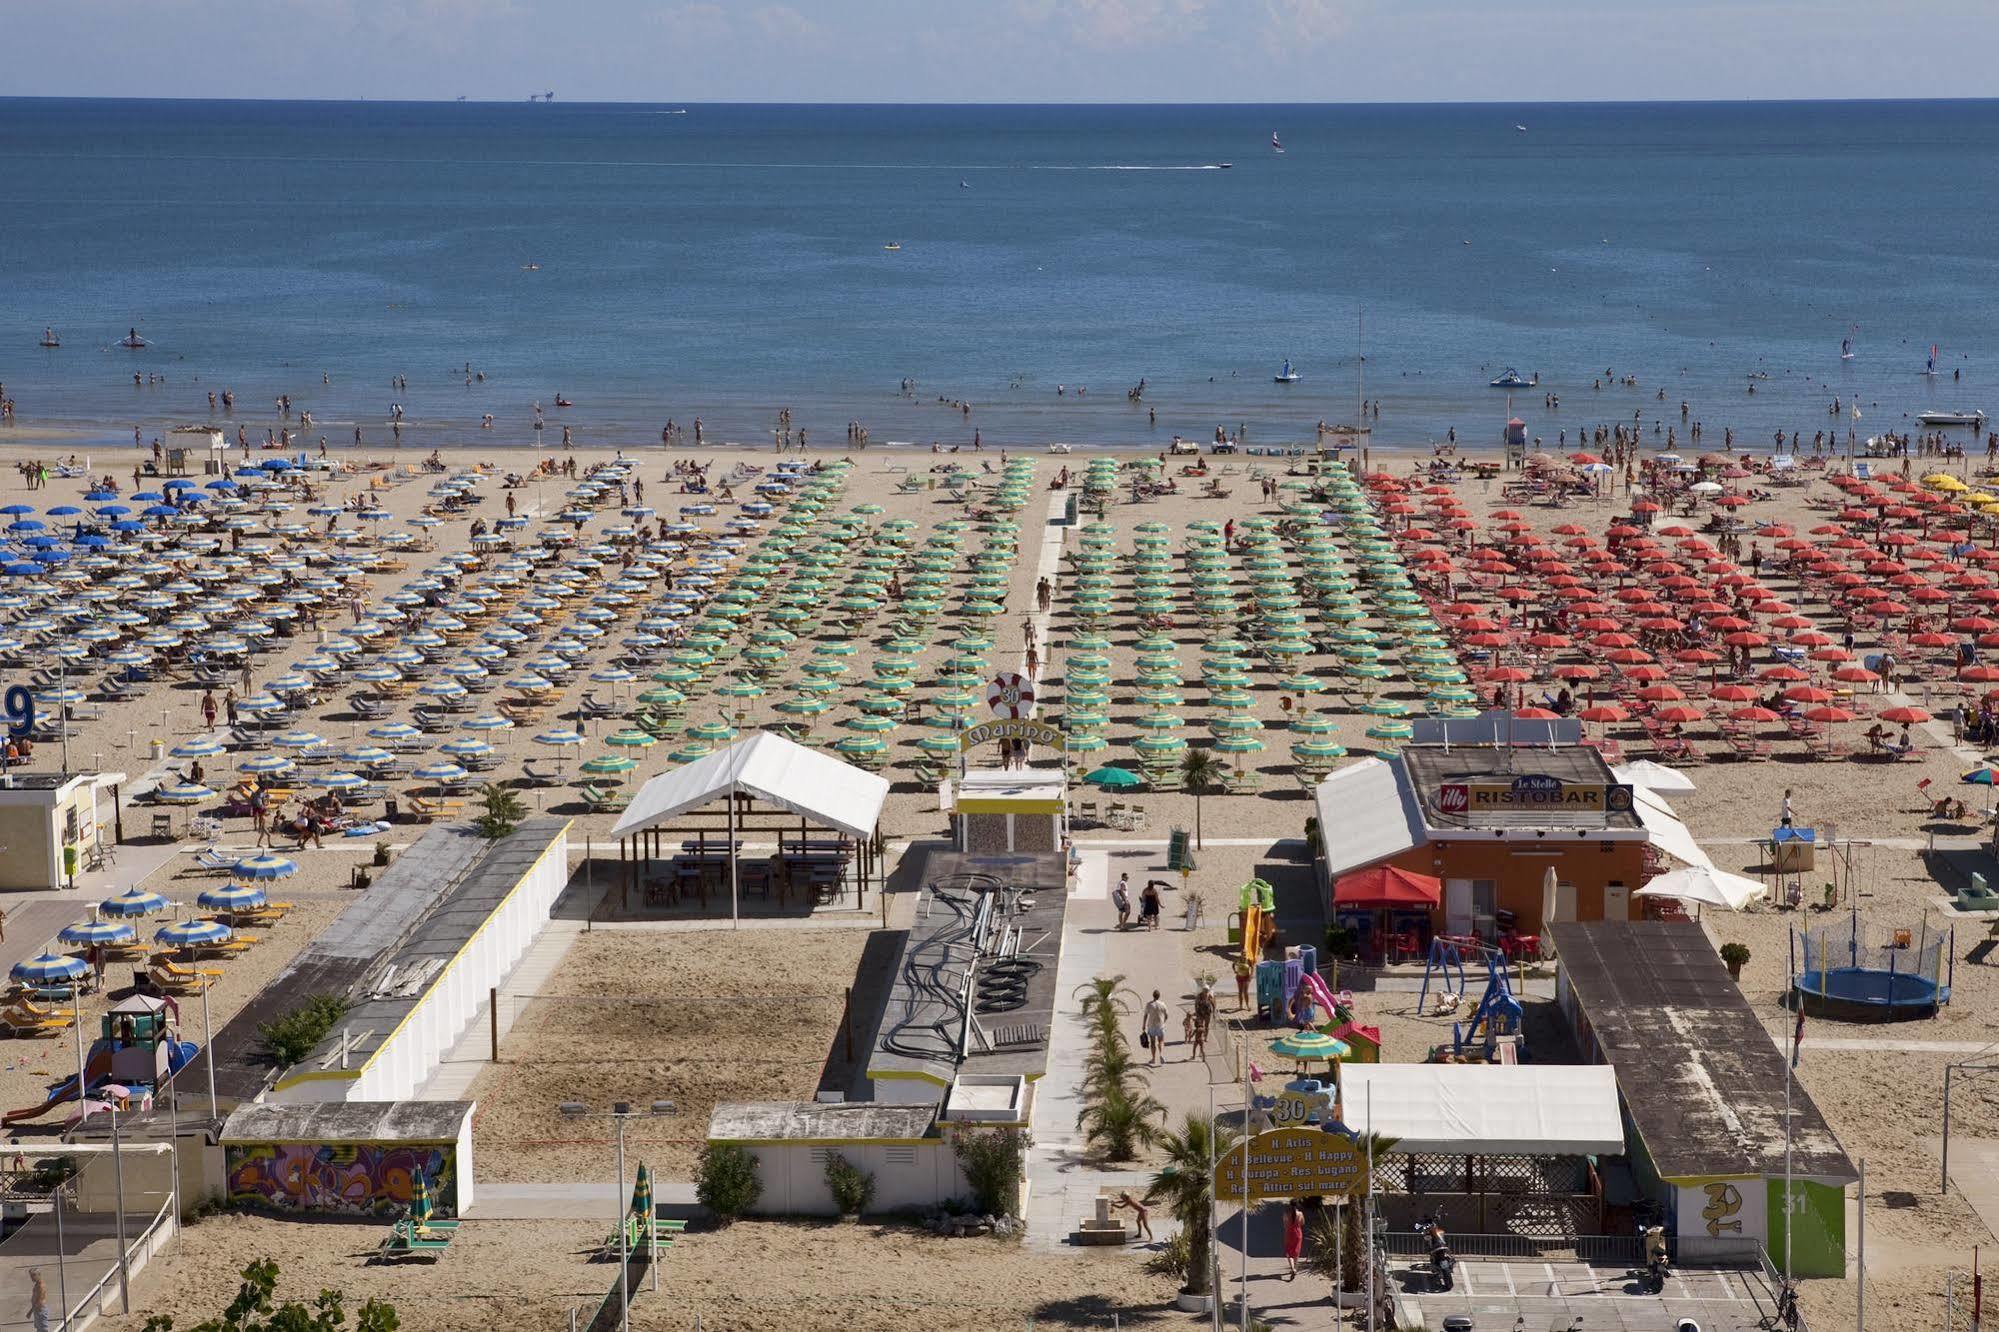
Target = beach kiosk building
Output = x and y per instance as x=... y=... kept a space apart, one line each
x=52 y=823
x=1518 y=835
x=1703 y=1091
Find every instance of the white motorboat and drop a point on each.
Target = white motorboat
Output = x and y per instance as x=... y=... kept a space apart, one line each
x=1951 y=418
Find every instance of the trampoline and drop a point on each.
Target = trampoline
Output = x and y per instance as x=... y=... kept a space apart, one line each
x=1847 y=978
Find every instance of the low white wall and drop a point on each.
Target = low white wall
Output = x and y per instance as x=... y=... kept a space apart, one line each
x=406 y=1060
x=917 y=1174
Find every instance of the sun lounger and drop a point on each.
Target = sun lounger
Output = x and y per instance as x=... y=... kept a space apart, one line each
x=428 y=810
x=633 y=1235
x=172 y=984
x=214 y=858
x=605 y=802
x=165 y=962
x=416 y=1241
x=534 y=775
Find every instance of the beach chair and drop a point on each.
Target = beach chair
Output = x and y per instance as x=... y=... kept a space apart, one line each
x=534 y=775
x=633 y=1234
x=599 y=801
x=429 y=810
x=416 y=1241
x=367 y=706
x=217 y=860
x=24 y=1018
x=268 y=914
x=170 y=983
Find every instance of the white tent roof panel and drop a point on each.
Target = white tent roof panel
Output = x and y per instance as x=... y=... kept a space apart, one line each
x=1367 y=813
x=772 y=769
x=1492 y=1109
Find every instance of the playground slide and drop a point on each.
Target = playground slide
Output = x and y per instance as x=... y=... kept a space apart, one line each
x=96 y=1068
x=1315 y=985
x=1252 y=934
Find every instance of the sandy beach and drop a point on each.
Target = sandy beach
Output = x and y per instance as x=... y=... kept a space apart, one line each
x=641 y=1010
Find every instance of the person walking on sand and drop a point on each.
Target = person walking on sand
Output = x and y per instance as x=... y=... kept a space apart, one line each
x=1204 y=1016
x=1787 y=814
x=1121 y=899
x=1148 y=905
x=1153 y=1020
x=1294 y=1239
x=208 y=709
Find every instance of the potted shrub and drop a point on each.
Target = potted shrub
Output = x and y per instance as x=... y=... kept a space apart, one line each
x=1735 y=956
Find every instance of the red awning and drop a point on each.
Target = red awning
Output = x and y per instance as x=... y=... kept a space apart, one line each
x=1386 y=886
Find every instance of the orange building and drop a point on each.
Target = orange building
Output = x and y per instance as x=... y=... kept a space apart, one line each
x=1489 y=822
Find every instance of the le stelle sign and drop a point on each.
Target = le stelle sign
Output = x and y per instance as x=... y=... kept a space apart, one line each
x=1292 y=1163
x=1532 y=793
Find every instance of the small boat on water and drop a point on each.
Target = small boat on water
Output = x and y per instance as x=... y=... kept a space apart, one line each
x=1952 y=418
x=1519 y=129
x=1225 y=166
x=49 y=338
x=1287 y=375
x=893 y=245
x=1846 y=349
x=530 y=268
x=133 y=341
x=1512 y=379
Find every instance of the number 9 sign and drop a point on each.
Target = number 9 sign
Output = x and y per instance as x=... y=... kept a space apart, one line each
x=20 y=705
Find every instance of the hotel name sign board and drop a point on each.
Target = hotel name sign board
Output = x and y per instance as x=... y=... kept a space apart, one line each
x=1533 y=794
x=1291 y=1163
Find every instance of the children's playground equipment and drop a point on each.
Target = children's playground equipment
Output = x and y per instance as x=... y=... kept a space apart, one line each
x=136 y=1050
x=1838 y=973
x=1495 y=1029
x=1254 y=923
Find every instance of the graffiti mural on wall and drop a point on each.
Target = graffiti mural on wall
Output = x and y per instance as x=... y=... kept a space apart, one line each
x=354 y=1178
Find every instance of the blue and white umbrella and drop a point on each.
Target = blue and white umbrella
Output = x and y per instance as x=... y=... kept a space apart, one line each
x=266 y=765
x=367 y=756
x=486 y=721
x=559 y=738
x=394 y=731
x=48 y=969
x=343 y=781
x=233 y=897
x=468 y=748
x=192 y=933
x=298 y=740
x=440 y=772
x=182 y=793
x=86 y=933
x=133 y=902
x=197 y=749
x=266 y=866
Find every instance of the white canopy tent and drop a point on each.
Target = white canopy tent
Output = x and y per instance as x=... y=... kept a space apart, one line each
x=1669 y=834
x=1707 y=886
x=773 y=770
x=1653 y=776
x=1486 y=1109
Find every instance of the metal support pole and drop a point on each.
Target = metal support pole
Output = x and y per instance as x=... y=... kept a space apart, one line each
x=1860 y=1273
x=624 y=1239
x=208 y=1048
x=118 y=1181
x=81 y=1086
x=1943 y=1185
x=62 y=1258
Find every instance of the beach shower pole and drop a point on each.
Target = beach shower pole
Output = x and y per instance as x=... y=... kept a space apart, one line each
x=208 y=1049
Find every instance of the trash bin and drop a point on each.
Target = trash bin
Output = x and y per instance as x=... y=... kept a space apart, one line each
x=159 y=750
x=389 y=809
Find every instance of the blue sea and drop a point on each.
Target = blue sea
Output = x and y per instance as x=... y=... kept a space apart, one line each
x=724 y=262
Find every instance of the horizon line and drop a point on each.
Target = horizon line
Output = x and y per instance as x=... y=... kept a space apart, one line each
x=468 y=100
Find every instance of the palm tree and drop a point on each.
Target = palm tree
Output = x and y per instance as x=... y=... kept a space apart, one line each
x=1199 y=771
x=1111 y=1064
x=1104 y=1006
x=1120 y=1119
x=1185 y=1184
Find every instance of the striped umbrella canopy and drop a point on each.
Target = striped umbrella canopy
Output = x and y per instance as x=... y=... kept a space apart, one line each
x=297 y=740
x=266 y=866
x=631 y=738
x=394 y=731
x=233 y=897
x=198 y=748
x=133 y=902
x=608 y=765
x=1309 y=1045
x=558 y=738
x=712 y=732
x=440 y=772
x=343 y=781
x=367 y=756
x=263 y=765
x=189 y=933
x=88 y=932
x=182 y=793
x=465 y=748
x=46 y=968
x=486 y=721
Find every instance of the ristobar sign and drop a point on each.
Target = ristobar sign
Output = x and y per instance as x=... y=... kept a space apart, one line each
x=1532 y=793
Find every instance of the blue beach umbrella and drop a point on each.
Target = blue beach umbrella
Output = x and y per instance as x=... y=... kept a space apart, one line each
x=266 y=866
x=192 y=933
x=133 y=902
x=48 y=969
x=85 y=933
x=232 y=897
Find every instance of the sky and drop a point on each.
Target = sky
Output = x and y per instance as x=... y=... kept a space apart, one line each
x=1230 y=51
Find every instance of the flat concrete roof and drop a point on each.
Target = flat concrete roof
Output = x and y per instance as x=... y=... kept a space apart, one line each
x=1700 y=1077
x=769 y=1121
x=925 y=1014
x=348 y=1121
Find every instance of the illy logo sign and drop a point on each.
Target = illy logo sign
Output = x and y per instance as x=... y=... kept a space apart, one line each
x=1453 y=798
